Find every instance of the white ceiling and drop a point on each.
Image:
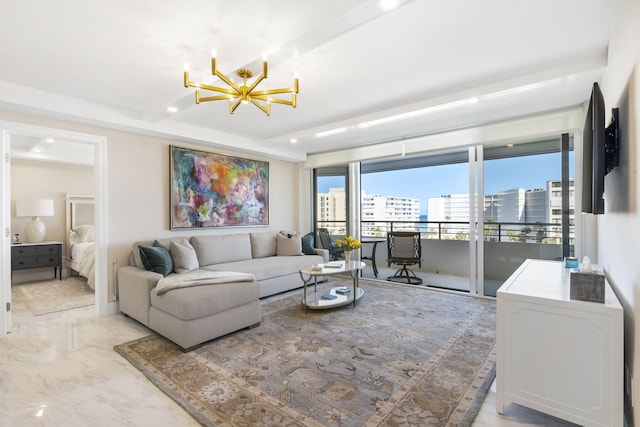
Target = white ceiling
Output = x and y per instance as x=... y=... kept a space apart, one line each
x=119 y=64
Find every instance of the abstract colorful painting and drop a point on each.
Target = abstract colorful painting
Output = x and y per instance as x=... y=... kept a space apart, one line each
x=214 y=190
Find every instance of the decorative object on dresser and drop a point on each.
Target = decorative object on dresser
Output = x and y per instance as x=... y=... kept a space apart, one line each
x=35 y=230
x=37 y=255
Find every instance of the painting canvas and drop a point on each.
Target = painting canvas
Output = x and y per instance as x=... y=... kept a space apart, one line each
x=214 y=190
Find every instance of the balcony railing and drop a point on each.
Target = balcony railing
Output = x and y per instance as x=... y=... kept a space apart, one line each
x=546 y=233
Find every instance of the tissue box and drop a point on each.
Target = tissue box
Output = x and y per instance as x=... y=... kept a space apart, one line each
x=587 y=286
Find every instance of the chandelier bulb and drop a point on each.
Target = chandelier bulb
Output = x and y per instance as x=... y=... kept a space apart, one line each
x=214 y=53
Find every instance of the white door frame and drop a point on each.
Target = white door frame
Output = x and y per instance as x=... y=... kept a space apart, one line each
x=5 y=246
x=102 y=305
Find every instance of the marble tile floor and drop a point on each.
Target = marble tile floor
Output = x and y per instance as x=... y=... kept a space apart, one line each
x=61 y=370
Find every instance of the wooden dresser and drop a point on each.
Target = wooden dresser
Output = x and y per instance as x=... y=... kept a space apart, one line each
x=37 y=255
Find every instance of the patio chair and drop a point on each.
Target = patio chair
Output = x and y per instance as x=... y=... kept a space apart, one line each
x=404 y=248
x=327 y=243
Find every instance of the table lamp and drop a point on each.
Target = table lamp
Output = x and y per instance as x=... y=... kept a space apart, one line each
x=34 y=230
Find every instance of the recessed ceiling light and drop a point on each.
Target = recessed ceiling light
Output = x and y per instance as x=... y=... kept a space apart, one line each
x=388 y=4
x=293 y=140
x=172 y=109
x=50 y=140
x=330 y=132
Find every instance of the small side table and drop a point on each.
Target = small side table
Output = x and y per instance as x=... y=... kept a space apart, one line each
x=25 y=256
x=374 y=241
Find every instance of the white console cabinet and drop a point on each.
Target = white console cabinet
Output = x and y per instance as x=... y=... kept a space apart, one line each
x=556 y=355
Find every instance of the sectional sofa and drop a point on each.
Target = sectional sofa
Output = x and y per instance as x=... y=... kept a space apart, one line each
x=216 y=281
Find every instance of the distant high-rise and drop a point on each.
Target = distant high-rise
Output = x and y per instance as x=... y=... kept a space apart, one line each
x=384 y=209
x=542 y=205
x=331 y=209
x=389 y=208
x=451 y=207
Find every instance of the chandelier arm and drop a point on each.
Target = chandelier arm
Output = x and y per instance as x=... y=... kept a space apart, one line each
x=234 y=105
x=273 y=91
x=214 y=98
x=256 y=83
x=227 y=81
x=291 y=103
x=266 y=109
x=218 y=89
x=270 y=99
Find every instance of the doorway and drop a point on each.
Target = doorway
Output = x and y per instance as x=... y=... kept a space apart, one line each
x=96 y=145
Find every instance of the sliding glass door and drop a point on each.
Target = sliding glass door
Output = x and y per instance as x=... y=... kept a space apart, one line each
x=528 y=206
x=331 y=210
x=429 y=194
x=481 y=211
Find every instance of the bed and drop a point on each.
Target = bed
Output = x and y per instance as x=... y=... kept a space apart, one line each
x=80 y=252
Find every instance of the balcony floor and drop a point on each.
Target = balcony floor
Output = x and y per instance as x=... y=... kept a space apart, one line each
x=432 y=280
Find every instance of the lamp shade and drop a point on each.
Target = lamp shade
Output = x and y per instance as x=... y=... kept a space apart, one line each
x=34 y=207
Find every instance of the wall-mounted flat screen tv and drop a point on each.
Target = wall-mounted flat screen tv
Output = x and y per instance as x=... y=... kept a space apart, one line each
x=599 y=152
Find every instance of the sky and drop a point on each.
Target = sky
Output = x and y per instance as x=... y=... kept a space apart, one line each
x=527 y=172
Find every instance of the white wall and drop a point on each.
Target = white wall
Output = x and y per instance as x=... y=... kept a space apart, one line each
x=619 y=227
x=138 y=188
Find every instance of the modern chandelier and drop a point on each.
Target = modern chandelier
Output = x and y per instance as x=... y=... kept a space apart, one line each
x=242 y=92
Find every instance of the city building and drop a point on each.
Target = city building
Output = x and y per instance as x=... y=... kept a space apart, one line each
x=331 y=210
x=518 y=206
x=377 y=208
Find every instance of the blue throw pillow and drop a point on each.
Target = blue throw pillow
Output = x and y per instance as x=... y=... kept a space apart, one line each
x=307 y=244
x=156 y=258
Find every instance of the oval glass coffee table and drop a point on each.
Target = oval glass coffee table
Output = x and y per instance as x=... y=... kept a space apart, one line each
x=336 y=296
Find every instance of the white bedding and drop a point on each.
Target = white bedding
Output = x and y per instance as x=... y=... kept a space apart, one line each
x=78 y=250
x=83 y=256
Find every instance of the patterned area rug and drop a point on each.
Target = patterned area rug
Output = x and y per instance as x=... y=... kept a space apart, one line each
x=405 y=356
x=51 y=296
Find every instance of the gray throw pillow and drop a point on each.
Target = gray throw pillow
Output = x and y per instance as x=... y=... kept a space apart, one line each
x=184 y=256
x=307 y=244
x=156 y=258
x=263 y=244
x=288 y=244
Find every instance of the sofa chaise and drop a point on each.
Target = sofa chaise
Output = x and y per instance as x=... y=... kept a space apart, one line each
x=243 y=267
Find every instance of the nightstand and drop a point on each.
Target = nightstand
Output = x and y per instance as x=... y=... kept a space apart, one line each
x=25 y=256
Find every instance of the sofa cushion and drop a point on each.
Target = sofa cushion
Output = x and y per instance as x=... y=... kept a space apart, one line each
x=184 y=256
x=263 y=244
x=137 y=261
x=288 y=244
x=221 y=248
x=156 y=258
x=271 y=267
x=307 y=244
x=201 y=301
